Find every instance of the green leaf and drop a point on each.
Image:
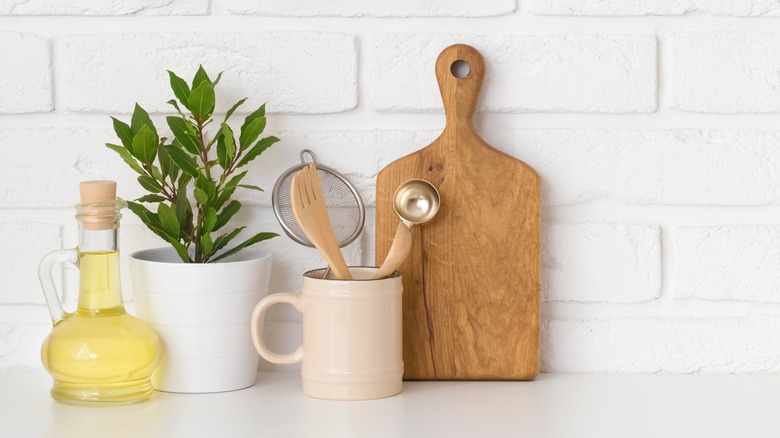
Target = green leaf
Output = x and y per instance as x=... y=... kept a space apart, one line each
x=184 y=133
x=168 y=221
x=200 y=77
x=260 y=112
x=175 y=104
x=227 y=213
x=184 y=255
x=182 y=206
x=206 y=243
x=184 y=212
x=233 y=182
x=233 y=109
x=156 y=174
x=183 y=161
x=127 y=157
x=250 y=187
x=210 y=220
x=149 y=184
x=256 y=150
x=139 y=119
x=224 y=239
x=251 y=132
x=201 y=196
x=246 y=127
x=123 y=132
x=184 y=179
x=166 y=165
x=216 y=81
x=202 y=100
x=224 y=197
x=182 y=251
x=180 y=89
x=226 y=146
x=148 y=218
x=151 y=198
x=208 y=186
x=145 y=145
x=251 y=241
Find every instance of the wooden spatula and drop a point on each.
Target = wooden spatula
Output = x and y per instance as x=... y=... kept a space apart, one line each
x=309 y=209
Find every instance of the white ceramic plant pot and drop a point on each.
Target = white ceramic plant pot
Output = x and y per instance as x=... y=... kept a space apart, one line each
x=202 y=313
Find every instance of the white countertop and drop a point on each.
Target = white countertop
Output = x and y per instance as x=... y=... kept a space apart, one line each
x=555 y=405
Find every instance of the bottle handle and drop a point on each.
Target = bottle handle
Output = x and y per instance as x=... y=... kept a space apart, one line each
x=47 y=279
x=258 y=320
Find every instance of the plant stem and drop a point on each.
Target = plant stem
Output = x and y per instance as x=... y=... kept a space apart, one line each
x=204 y=157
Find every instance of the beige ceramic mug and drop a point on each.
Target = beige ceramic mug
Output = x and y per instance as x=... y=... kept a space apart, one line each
x=351 y=347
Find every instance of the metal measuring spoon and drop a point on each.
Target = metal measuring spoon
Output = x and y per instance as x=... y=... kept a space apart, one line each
x=416 y=202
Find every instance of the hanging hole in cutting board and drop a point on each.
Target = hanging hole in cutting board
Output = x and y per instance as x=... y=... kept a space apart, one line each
x=460 y=69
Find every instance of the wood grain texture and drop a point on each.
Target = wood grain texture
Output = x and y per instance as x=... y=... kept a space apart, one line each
x=471 y=281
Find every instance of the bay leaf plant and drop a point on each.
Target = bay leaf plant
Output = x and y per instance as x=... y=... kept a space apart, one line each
x=213 y=169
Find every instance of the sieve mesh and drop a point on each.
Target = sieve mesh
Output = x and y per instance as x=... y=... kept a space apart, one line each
x=345 y=209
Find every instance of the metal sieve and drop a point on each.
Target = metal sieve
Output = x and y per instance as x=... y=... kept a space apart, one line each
x=346 y=211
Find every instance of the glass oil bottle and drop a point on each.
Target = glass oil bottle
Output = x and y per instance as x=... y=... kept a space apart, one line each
x=98 y=355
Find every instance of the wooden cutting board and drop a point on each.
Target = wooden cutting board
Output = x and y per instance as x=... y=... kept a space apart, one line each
x=471 y=281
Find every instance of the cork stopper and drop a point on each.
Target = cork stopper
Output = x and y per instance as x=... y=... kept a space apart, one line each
x=97 y=191
x=98 y=209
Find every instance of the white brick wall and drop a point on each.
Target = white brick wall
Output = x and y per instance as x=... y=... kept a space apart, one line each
x=737 y=8
x=24 y=245
x=25 y=79
x=727 y=263
x=528 y=73
x=656 y=136
x=99 y=7
x=666 y=167
x=610 y=263
x=726 y=72
x=373 y=8
x=100 y=68
x=662 y=345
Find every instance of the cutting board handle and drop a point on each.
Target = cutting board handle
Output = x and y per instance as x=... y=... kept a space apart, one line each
x=459 y=95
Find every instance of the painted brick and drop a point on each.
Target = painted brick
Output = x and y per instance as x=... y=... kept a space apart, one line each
x=110 y=72
x=97 y=7
x=525 y=73
x=373 y=8
x=71 y=156
x=738 y=8
x=601 y=262
x=740 y=263
x=662 y=345
x=20 y=345
x=669 y=167
x=25 y=78
x=725 y=72
x=24 y=245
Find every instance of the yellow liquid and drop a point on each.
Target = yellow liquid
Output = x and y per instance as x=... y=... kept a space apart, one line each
x=100 y=355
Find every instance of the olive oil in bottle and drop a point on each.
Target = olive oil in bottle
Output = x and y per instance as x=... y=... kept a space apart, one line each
x=99 y=355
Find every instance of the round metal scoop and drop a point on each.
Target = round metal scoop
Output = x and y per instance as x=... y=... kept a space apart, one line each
x=416 y=202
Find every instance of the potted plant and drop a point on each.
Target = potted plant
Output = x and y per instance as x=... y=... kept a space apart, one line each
x=199 y=292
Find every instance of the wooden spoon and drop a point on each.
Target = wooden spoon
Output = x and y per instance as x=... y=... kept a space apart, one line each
x=309 y=209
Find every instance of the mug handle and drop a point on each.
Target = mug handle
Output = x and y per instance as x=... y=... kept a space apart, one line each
x=258 y=318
